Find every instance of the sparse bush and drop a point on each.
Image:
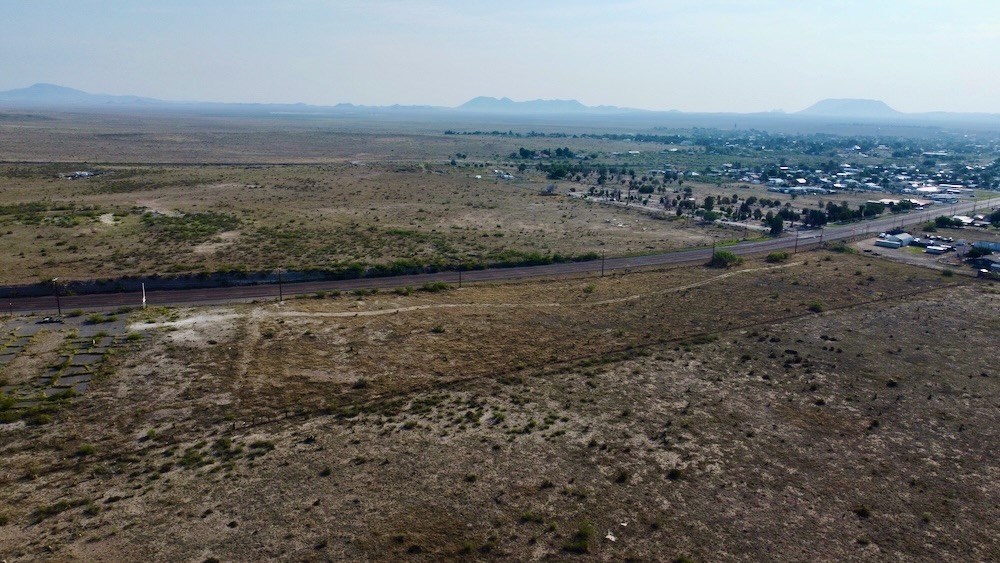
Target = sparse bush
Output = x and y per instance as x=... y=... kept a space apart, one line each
x=947 y=273
x=37 y=418
x=579 y=542
x=95 y=318
x=59 y=507
x=530 y=517
x=842 y=248
x=776 y=257
x=85 y=450
x=816 y=307
x=437 y=329
x=724 y=259
x=435 y=287
x=75 y=313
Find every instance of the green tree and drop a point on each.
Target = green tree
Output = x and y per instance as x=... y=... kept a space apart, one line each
x=777 y=225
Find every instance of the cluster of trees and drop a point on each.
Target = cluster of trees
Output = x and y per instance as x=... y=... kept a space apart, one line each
x=511 y=133
x=526 y=154
x=773 y=213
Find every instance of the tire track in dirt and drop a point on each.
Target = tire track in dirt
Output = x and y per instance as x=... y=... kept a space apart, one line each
x=411 y=308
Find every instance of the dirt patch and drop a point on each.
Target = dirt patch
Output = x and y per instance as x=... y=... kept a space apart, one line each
x=221 y=241
x=200 y=329
x=157 y=207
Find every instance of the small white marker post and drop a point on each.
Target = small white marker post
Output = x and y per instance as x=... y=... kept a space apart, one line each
x=143 y=296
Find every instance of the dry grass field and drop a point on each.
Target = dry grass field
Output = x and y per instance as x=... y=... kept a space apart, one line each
x=254 y=193
x=832 y=407
x=162 y=220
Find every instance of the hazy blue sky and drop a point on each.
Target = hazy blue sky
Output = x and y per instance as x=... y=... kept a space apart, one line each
x=692 y=55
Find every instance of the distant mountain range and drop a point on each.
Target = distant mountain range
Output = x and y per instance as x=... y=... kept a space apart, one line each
x=485 y=104
x=52 y=96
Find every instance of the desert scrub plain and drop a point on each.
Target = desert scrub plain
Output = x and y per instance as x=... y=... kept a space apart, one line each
x=343 y=217
x=830 y=407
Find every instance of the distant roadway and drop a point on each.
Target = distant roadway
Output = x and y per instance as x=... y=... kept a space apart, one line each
x=231 y=294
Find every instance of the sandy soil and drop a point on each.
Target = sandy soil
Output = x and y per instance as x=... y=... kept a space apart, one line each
x=715 y=414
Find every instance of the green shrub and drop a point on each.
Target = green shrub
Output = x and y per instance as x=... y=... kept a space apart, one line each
x=841 y=247
x=947 y=273
x=85 y=450
x=724 y=259
x=435 y=287
x=530 y=517
x=816 y=307
x=776 y=257
x=579 y=542
x=59 y=507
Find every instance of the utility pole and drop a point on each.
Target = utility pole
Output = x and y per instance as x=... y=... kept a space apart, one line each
x=603 y=253
x=796 y=249
x=460 y=279
x=281 y=295
x=55 y=286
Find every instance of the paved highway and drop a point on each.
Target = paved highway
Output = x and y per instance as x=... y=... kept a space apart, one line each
x=801 y=240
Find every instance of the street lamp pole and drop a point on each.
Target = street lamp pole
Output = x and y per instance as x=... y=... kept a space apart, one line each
x=55 y=286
